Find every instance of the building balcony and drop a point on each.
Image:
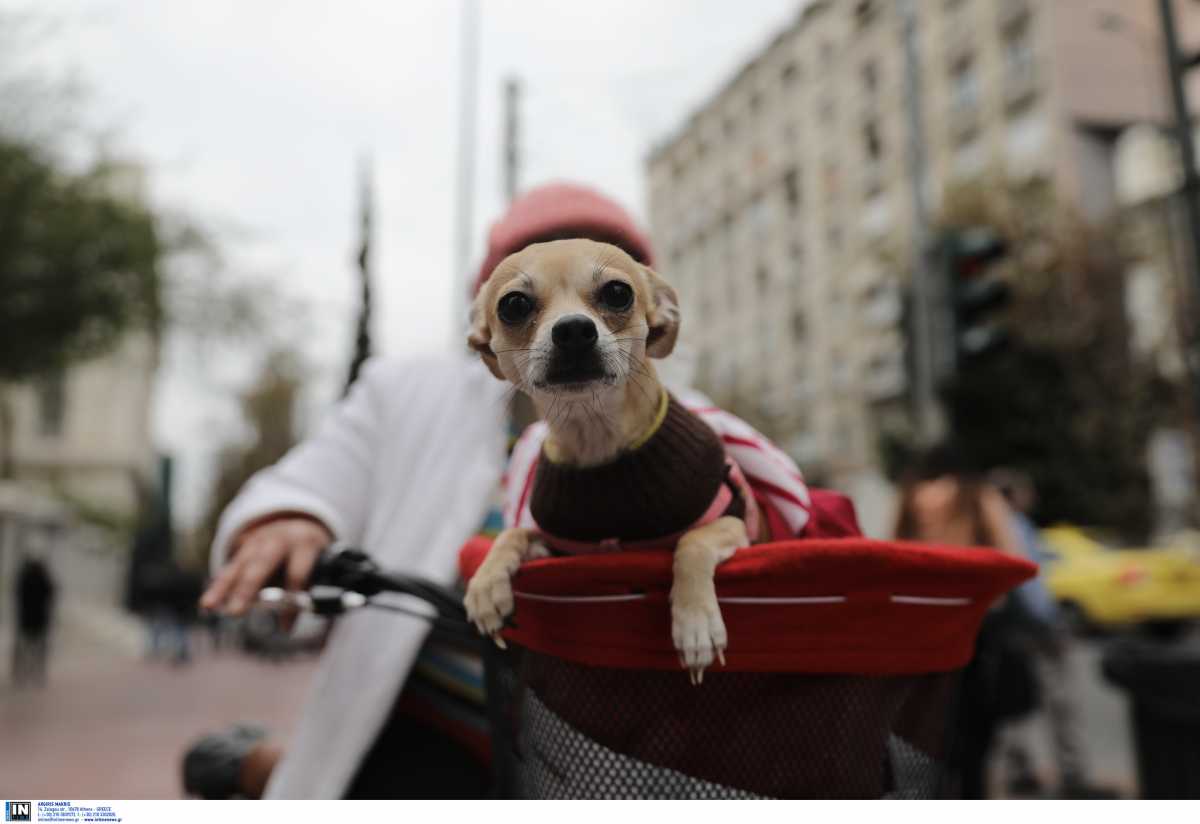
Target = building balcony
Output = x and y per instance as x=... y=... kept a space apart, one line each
x=959 y=37
x=885 y=377
x=1012 y=12
x=885 y=385
x=872 y=178
x=964 y=117
x=1022 y=82
x=882 y=307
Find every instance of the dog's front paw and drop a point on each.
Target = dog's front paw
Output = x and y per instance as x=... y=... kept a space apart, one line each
x=699 y=634
x=489 y=601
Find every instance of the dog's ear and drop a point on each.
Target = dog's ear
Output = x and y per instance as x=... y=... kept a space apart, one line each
x=662 y=316
x=480 y=336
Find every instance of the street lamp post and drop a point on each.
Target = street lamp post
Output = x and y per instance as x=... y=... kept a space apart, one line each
x=1176 y=71
x=1176 y=68
x=464 y=213
x=929 y=420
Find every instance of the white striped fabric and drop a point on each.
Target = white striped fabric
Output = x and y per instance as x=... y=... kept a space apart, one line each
x=768 y=469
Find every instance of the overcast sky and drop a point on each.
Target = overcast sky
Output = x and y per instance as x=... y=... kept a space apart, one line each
x=252 y=114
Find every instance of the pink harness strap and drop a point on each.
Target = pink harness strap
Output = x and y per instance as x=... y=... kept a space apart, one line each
x=720 y=503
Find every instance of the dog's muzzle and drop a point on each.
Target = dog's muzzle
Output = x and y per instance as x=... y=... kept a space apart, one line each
x=575 y=357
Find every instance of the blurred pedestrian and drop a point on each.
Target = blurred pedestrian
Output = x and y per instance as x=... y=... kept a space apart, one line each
x=1049 y=642
x=35 y=593
x=406 y=467
x=169 y=594
x=945 y=501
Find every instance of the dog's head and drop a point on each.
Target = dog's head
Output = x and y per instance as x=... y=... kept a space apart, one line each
x=569 y=316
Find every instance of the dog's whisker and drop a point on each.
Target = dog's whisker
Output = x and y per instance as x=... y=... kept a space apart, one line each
x=630 y=326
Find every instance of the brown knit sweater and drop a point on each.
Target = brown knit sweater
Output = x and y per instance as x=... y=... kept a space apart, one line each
x=659 y=489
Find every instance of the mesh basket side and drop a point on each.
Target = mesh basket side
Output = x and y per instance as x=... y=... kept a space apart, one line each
x=570 y=731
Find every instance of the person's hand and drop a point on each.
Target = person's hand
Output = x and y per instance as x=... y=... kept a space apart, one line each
x=290 y=543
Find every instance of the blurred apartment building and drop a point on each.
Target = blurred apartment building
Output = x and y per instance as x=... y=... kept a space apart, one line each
x=81 y=454
x=84 y=435
x=784 y=204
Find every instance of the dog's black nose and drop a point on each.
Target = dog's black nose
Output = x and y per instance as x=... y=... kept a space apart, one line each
x=575 y=334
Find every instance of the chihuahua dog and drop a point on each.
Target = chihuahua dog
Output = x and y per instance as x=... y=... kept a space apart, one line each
x=572 y=323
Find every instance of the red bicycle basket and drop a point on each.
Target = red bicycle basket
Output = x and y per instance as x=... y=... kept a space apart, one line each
x=839 y=677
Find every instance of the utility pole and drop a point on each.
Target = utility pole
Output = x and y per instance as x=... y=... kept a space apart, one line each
x=928 y=414
x=1176 y=72
x=512 y=138
x=465 y=191
x=362 y=337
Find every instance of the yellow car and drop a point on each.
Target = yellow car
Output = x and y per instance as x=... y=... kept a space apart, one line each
x=1098 y=586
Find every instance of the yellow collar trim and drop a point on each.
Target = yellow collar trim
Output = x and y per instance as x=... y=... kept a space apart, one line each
x=659 y=417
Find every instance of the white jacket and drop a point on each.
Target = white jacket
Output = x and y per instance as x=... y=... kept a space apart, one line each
x=404 y=468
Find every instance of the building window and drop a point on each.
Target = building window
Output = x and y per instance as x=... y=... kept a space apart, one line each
x=870 y=77
x=840 y=371
x=872 y=144
x=789 y=73
x=729 y=126
x=760 y=213
x=964 y=90
x=52 y=404
x=755 y=103
x=796 y=251
x=969 y=160
x=791 y=189
x=799 y=326
x=826 y=52
x=864 y=13
x=1018 y=55
x=844 y=437
x=833 y=182
x=872 y=169
x=834 y=238
x=763 y=276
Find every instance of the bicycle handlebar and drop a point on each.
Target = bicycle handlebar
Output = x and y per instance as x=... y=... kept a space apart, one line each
x=346 y=578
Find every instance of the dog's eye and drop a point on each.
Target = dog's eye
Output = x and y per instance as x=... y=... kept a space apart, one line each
x=514 y=307
x=616 y=295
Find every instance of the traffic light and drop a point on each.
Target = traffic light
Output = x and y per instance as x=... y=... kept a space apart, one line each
x=975 y=293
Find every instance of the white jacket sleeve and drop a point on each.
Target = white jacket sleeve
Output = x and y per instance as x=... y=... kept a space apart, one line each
x=327 y=476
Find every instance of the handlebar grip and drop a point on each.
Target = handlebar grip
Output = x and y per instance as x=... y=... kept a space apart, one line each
x=352 y=569
x=347 y=568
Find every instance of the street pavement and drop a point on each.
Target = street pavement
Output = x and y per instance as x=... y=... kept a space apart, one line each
x=1103 y=726
x=110 y=724
x=113 y=725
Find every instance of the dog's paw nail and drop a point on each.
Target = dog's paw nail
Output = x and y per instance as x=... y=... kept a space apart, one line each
x=721 y=656
x=499 y=641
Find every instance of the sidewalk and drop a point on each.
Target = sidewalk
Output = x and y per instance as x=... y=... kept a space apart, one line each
x=112 y=725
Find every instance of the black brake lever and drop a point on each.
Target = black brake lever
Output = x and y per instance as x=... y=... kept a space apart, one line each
x=352 y=569
x=347 y=568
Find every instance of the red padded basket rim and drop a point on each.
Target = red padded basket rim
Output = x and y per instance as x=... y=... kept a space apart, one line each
x=846 y=605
